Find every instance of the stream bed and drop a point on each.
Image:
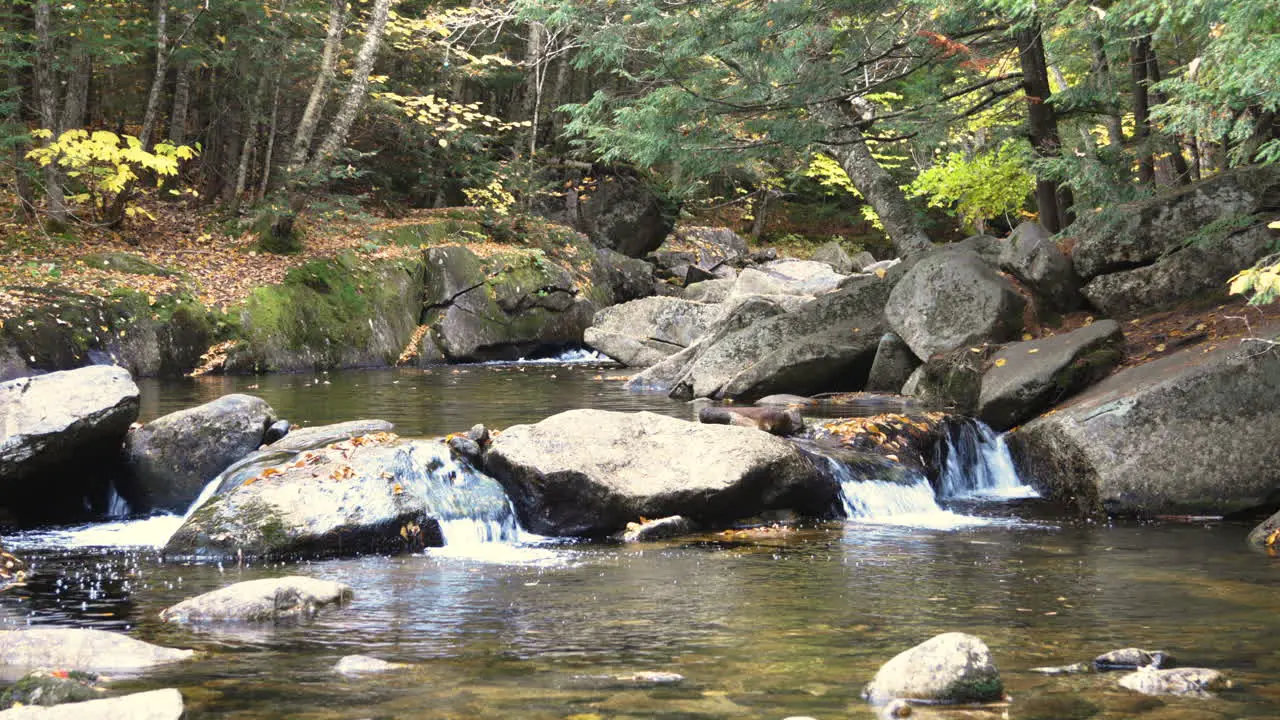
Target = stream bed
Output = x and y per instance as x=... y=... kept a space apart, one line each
x=782 y=624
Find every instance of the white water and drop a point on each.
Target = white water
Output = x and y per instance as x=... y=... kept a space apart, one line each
x=578 y=356
x=151 y=532
x=976 y=463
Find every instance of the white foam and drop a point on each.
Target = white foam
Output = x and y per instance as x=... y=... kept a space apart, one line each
x=151 y=532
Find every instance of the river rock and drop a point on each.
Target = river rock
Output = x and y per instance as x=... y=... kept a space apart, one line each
x=952 y=299
x=643 y=332
x=893 y=364
x=772 y=420
x=44 y=688
x=590 y=472
x=951 y=668
x=711 y=246
x=78 y=649
x=172 y=457
x=827 y=343
x=1133 y=659
x=659 y=529
x=364 y=665
x=369 y=494
x=834 y=254
x=1189 y=434
x=67 y=425
x=626 y=214
x=1187 y=682
x=266 y=600
x=1030 y=255
x=1265 y=535
x=862 y=261
x=953 y=380
x=1026 y=378
x=627 y=278
x=708 y=291
x=153 y=705
x=306 y=438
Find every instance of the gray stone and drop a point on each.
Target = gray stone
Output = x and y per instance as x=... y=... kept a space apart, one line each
x=152 y=705
x=364 y=665
x=45 y=688
x=172 y=457
x=1265 y=535
x=862 y=261
x=1031 y=255
x=1184 y=682
x=625 y=277
x=952 y=381
x=834 y=254
x=951 y=668
x=651 y=677
x=1192 y=433
x=65 y=425
x=1133 y=659
x=884 y=265
x=266 y=600
x=643 y=332
x=773 y=420
x=76 y=649
x=1027 y=378
x=708 y=291
x=370 y=494
x=952 y=299
x=590 y=472
x=276 y=431
x=307 y=438
x=626 y=214
x=1072 y=669
x=659 y=529
x=712 y=245
x=893 y=364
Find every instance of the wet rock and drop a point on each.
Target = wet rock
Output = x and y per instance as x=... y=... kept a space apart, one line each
x=953 y=380
x=951 y=668
x=1072 y=669
x=312 y=437
x=1185 y=682
x=1133 y=659
x=465 y=447
x=1267 y=533
x=1026 y=378
x=953 y=299
x=786 y=400
x=834 y=254
x=769 y=419
x=45 y=687
x=67 y=425
x=276 y=431
x=364 y=665
x=893 y=364
x=1031 y=255
x=645 y=332
x=651 y=677
x=659 y=529
x=172 y=457
x=590 y=472
x=84 y=650
x=266 y=600
x=369 y=494
x=153 y=705
x=1189 y=434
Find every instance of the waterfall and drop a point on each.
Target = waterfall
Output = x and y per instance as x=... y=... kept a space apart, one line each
x=117 y=507
x=471 y=507
x=874 y=491
x=973 y=462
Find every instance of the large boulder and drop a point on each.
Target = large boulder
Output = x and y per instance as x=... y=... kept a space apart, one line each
x=643 y=332
x=626 y=214
x=893 y=364
x=66 y=426
x=952 y=299
x=834 y=254
x=952 y=381
x=78 y=649
x=948 y=669
x=282 y=599
x=173 y=456
x=1191 y=433
x=151 y=705
x=369 y=494
x=1031 y=255
x=788 y=277
x=626 y=278
x=711 y=246
x=1027 y=378
x=590 y=472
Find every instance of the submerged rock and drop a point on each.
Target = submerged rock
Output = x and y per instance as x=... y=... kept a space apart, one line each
x=659 y=529
x=79 y=649
x=772 y=420
x=67 y=425
x=1186 y=682
x=364 y=665
x=153 y=705
x=45 y=687
x=266 y=600
x=590 y=472
x=1072 y=669
x=1133 y=659
x=173 y=456
x=951 y=668
x=369 y=494
x=1192 y=433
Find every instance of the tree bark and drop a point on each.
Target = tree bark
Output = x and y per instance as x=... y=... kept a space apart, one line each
x=1141 y=109
x=264 y=183
x=1181 y=173
x=1102 y=71
x=346 y=116
x=882 y=192
x=250 y=142
x=22 y=183
x=47 y=103
x=162 y=70
x=1042 y=125
x=320 y=88
x=76 y=100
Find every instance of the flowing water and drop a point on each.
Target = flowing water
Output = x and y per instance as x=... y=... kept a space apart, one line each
x=760 y=625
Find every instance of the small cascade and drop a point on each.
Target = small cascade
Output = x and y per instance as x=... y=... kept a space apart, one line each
x=872 y=496
x=973 y=462
x=471 y=507
x=117 y=507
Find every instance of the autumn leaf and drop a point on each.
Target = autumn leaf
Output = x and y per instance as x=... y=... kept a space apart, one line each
x=1001 y=362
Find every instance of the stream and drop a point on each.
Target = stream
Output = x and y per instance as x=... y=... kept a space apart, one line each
x=786 y=624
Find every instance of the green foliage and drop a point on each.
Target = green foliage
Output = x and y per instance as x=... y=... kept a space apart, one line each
x=1261 y=283
x=982 y=186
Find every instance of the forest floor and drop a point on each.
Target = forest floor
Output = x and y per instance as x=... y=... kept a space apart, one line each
x=221 y=268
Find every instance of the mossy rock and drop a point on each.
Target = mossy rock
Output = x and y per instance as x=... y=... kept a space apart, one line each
x=126 y=263
x=45 y=688
x=278 y=232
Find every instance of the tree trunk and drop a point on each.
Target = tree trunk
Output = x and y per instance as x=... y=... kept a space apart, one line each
x=1181 y=173
x=250 y=141
x=76 y=100
x=268 y=158
x=320 y=88
x=354 y=98
x=882 y=192
x=162 y=70
x=22 y=183
x=1102 y=70
x=47 y=103
x=1042 y=124
x=1141 y=109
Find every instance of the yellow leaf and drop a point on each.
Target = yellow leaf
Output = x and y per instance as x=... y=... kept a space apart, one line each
x=1160 y=347
x=1033 y=351
x=1001 y=362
